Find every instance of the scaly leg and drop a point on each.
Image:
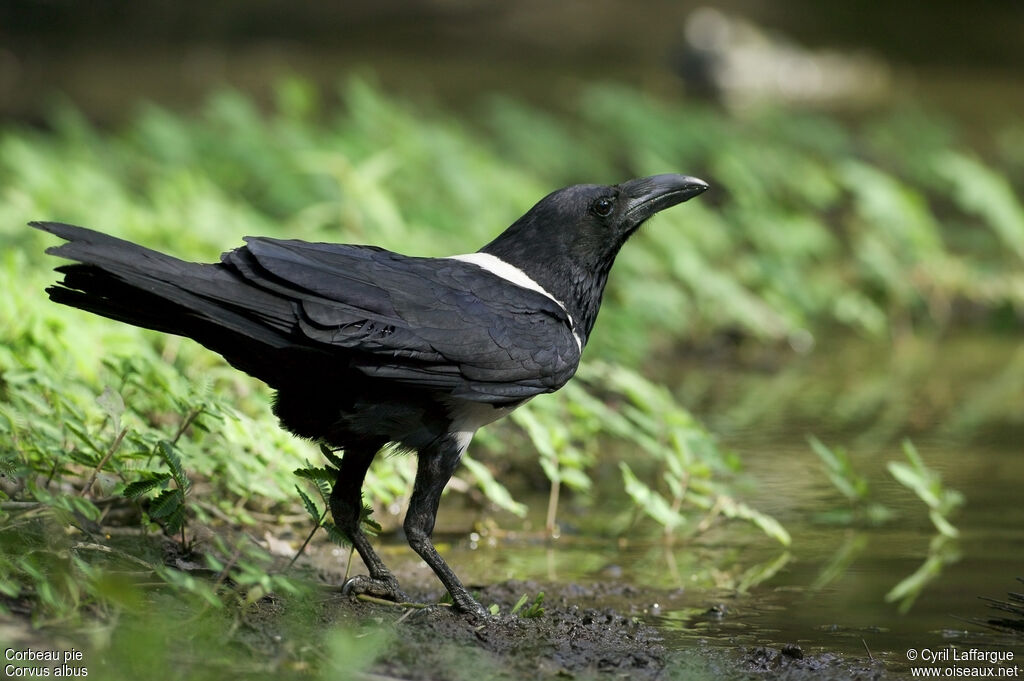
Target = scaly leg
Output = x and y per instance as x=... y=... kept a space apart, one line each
x=435 y=467
x=347 y=508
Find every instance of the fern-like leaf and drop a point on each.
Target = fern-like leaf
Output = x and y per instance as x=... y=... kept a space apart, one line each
x=336 y=535
x=83 y=436
x=8 y=467
x=149 y=482
x=312 y=473
x=370 y=526
x=323 y=477
x=330 y=455
x=174 y=522
x=166 y=452
x=311 y=507
x=166 y=503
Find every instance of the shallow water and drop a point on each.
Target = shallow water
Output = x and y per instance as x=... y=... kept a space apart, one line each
x=832 y=591
x=827 y=591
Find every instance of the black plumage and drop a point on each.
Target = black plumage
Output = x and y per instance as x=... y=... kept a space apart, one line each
x=367 y=347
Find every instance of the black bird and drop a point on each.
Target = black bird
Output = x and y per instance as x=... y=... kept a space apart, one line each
x=367 y=347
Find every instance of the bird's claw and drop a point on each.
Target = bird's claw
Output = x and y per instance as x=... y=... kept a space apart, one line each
x=479 y=612
x=470 y=607
x=380 y=587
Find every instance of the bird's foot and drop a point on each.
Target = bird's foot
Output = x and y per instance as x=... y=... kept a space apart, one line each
x=379 y=587
x=465 y=604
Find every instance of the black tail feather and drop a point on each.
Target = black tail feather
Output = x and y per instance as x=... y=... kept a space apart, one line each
x=208 y=302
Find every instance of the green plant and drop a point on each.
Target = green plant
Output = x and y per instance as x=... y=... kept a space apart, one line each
x=647 y=416
x=322 y=479
x=927 y=485
x=532 y=611
x=851 y=484
x=562 y=444
x=942 y=551
x=169 y=505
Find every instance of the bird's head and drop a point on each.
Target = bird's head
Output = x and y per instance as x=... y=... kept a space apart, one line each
x=596 y=220
x=568 y=241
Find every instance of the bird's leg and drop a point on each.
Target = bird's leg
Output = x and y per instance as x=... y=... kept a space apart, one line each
x=435 y=467
x=347 y=509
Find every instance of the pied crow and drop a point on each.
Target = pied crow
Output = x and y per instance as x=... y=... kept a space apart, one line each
x=366 y=347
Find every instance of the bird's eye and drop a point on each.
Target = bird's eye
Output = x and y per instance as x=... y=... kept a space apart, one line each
x=603 y=206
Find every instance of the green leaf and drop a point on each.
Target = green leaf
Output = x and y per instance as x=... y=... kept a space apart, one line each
x=980 y=190
x=9 y=588
x=82 y=506
x=649 y=501
x=915 y=480
x=536 y=608
x=311 y=508
x=336 y=535
x=520 y=603
x=84 y=437
x=927 y=485
x=551 y=469
x=840 y=471
x=170 y=457
x=943 y=525
x=176 y=520
x=323 y=477
x=8 y=466
x=769 y=525
x=150 y=481
x=540 y=435
x=497 y=493
x=367 y=522
x=81 y=456
x=576 y=479
x=66 y=505
x=112 y=404
x=330 y=455
x=165 y=503
x=323 y=474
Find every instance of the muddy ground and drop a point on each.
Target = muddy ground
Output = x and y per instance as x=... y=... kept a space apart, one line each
x=575 y=638
x=578 y=636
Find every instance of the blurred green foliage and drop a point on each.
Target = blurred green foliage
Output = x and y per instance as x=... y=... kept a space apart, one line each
x=883 y=226
x=927 y=485
x=852 y=484
x=965 y=387
x=809 y=223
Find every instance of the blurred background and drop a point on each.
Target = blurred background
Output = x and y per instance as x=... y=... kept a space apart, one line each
x=811 y=378
x=108 y=55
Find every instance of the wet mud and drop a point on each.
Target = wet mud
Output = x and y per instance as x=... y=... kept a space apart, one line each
x=574 y=638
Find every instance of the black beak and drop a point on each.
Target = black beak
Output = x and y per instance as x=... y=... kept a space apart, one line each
x=646 y=196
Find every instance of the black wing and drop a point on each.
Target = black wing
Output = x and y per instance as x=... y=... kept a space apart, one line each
x=437 y=323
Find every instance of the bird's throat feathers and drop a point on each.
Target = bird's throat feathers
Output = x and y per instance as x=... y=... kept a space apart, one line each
x=572 y=269
x=568 y=241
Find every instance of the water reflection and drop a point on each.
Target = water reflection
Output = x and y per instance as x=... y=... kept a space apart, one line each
x=942 y=551
x=887 y=581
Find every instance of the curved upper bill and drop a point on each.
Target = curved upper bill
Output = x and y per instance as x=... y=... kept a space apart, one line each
x=647 y=195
